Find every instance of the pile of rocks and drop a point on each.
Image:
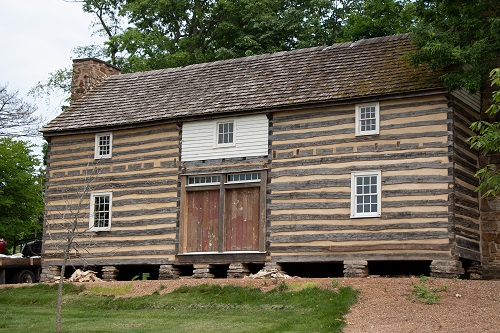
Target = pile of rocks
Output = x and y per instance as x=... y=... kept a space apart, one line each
x=84 y=276
x=272 y=273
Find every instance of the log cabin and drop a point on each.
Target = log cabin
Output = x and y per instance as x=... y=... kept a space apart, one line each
x=342 y=158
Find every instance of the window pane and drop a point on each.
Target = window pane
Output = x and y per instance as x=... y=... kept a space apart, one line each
x=103 y=145
x=366 y=189
x=366 y=194
x=225 y=132
x=200 y=180
x=242 y=177
x=367 y=119
x=366 y=208
x=101 y=211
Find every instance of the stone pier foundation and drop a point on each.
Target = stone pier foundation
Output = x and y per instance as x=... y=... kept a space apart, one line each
x=355 y=268
x=109 y=273
x=446 y=268
x=168 y=272
x=237 y=271
x=202 y=271
x=50 y=273
x=474 y=270
x=270 y=266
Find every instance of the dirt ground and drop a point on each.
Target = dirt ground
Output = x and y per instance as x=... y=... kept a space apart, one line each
x=466 y=306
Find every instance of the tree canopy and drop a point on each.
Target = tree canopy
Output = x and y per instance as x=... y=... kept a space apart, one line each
x=21 y=203
x=378 y=18
x=461 y=37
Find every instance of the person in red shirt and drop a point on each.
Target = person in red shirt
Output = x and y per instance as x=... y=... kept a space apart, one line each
x=3 y=244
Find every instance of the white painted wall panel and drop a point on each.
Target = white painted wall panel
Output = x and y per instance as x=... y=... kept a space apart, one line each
x=251 y=138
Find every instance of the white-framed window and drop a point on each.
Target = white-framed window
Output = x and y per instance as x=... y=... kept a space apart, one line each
x=100 y=211
x=366 y=194
x=225 y=133
x=103 y=145
x=243 y=177
x=203 y=180
x=367 y=119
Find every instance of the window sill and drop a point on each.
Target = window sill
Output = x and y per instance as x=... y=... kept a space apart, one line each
x=99 y=230
x=228 y=145
x=365 y=216
x=367 y=133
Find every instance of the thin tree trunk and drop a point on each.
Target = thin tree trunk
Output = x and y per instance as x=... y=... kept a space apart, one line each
x=61 y=277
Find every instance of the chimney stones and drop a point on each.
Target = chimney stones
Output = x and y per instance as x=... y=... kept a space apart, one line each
x=87 y=74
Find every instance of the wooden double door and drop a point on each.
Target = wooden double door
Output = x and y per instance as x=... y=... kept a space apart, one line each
x=223 y=219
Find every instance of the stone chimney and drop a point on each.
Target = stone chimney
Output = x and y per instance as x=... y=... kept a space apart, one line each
x=87 y=74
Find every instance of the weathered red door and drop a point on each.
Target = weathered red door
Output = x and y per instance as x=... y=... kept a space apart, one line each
x=241 y=219
x=203 y=221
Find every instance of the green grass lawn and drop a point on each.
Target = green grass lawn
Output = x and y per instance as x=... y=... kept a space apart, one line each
x=205 y=308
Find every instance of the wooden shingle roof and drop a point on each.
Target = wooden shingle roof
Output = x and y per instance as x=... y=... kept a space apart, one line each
x=344 y=71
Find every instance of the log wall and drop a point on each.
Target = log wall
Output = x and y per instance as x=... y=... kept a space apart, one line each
x=314 y=153
x=466 y=199
x=429 y=207
x=143 y=178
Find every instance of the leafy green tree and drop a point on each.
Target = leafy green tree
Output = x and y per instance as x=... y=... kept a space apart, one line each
x=107 y=23
x=166 y=33
x=488 y=141
x=376 y=18
x=461 y=37
x=255 y=27
x=21 y=203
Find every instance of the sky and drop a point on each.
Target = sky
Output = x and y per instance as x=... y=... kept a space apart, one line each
x=38 y=37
